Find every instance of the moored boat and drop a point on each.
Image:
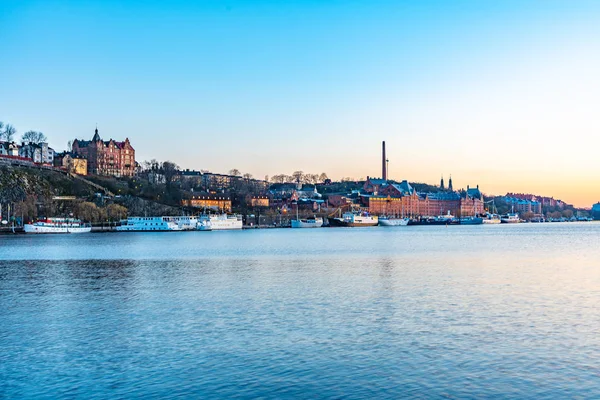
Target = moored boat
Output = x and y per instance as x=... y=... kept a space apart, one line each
x=510 y=218
x=57 y=225
x=471 y=221
x=155 y=224
x=354 y=219
x=315 y=222
x=491 y=219
x=391 y=221
x=219 y=222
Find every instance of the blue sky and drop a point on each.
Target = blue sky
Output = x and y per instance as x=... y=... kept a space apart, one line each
x=499 y=93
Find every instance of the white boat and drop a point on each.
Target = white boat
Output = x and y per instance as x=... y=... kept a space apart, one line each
x=491 y=219
x=316 y=222
x=510 y=218
x=391 y=221
x=58 y=225
x=218 y=222
x=354 y=219
x=152 y=224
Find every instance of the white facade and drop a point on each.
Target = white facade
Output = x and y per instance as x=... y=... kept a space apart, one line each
x=9 y=149
x=38 y=153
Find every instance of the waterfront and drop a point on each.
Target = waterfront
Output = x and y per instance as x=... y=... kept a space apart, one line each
x=423 y=312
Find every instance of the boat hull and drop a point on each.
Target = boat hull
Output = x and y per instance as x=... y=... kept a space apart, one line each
x=341 y=223
x=471 y=221
x=30 y=228
x=393 y=221
x=316 y=223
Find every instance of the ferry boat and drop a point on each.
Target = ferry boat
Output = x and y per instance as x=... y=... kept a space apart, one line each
x=315 y=222
x=354 y=219
x=510 y=218
x=218 y=222
x=152 y=224
x=391 y=221
x=491 y=219
x=58 y=225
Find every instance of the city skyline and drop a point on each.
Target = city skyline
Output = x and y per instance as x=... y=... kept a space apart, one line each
x=500 y=95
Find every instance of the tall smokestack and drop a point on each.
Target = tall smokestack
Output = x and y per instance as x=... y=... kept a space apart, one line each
x=383 y=161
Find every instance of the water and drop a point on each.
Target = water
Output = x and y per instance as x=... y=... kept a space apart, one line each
x=507 y=311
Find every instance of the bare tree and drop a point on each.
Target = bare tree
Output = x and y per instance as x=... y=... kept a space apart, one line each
x=323 y=177
x=70 y=146
x=235 y=172
x=169 y=170
x=298 y=175
x=247 y=176
x=9 y=132
x=1 y=126
x=33 y=137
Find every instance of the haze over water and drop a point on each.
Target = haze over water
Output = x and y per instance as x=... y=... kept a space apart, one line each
x=419 y=312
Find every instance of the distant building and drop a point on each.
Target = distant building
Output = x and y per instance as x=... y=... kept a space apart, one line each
x=9 y=149
x=596 y=211
x=374 y=185
x=471 y=202
x=71 y=163
x=209 y=201
x=38 y=152
x=521 y=205
x=111 y=158
x=259 y=201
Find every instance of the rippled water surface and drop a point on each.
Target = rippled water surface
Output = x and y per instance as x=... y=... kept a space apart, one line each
x=410 y=312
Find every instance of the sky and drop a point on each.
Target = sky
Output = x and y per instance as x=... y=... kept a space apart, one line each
x=500 y=94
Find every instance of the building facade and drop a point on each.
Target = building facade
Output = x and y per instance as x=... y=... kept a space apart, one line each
x=209 y=201
x=111 y=158
x=71 y=163
x=37 y=152
x=9 y=149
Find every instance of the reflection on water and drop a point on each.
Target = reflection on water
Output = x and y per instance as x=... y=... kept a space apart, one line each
x=354 y=313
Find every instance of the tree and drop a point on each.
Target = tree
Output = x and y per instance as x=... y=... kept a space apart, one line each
x=169 y=170
x=567 y=214
x=1 y=126
x=116 y=212
x=34 y=137
x=235 y=172
x=298 y=175
x=247 y=176
x=9 y=132
x=323 y=177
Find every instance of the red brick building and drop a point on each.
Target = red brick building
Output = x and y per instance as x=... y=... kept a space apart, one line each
x=110 y=157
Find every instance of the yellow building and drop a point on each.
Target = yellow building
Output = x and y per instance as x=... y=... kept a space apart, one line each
x=213 y=202
x=71 y=163
x=259 y=201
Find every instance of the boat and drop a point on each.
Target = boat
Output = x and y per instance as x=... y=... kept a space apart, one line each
x=153 y=224
x=354 y=219
x=439 y=220
x=510 y=218
x=471 y=221
x=219 y=222
x=315 y=222
x=491 y=219
x=58 y=225
x=392 y=221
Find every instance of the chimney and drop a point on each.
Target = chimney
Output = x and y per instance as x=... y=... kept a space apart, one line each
x=383 y=162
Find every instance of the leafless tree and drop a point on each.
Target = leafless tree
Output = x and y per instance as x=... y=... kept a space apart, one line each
x=235 y=172
x=33 y=137
x=9 y=132
x=298 y=175
x=247 y=176
x=323 y=177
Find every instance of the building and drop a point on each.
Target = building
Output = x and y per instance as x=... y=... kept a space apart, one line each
x=111 y=158
x=374 y=185
x=209 y=201
x=9 y=149
x=38 y=152
x=71 y=163
x=596 y=211
x=522 y=206
x=258 y=201
x=471 y=202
